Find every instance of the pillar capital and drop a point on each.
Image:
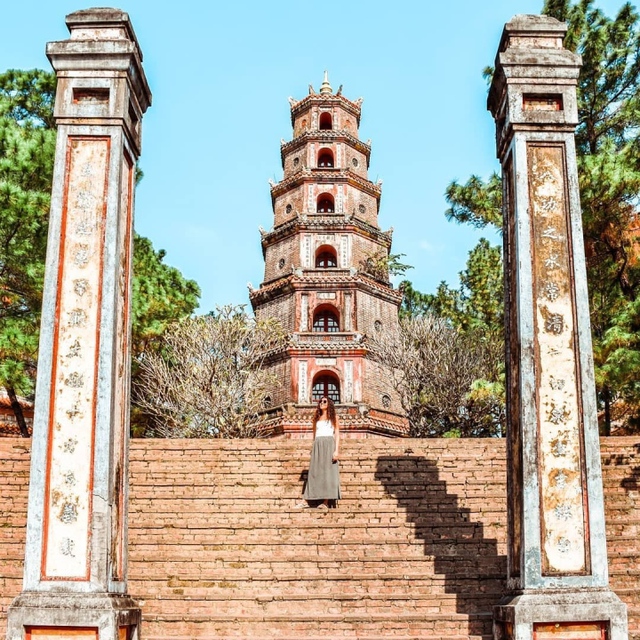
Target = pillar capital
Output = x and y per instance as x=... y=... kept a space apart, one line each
x=100 y=74
x=535 y=78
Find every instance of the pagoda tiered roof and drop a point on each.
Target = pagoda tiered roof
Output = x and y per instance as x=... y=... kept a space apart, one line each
x=318 y=176
x=354 y=107
x=323 y=279
x=325 y=135
x=326 y=222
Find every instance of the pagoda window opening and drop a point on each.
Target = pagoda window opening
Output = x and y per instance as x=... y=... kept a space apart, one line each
x=325 y=158
x=326 y=121
x=326 y=258
x=326 y=203
x=326 y=384
x=326 y=321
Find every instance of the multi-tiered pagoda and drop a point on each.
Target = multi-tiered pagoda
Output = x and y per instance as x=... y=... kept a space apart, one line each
x=325 y=275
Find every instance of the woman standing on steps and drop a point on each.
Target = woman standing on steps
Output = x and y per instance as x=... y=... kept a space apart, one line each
x=323 y=482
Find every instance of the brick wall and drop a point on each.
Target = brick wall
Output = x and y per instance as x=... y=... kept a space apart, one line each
x=287 y=249
x=280 y=308
x=378 y=385
x=415 y=549
x=369 y=309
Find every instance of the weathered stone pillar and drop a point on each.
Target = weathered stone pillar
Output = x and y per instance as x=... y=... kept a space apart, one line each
x=557 y=557
x=75 y=569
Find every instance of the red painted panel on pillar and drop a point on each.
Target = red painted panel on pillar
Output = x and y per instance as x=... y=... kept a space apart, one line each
x=570 y=631
x=61 y=633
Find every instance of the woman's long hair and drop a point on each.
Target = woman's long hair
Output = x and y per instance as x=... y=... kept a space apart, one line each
x=331 y=412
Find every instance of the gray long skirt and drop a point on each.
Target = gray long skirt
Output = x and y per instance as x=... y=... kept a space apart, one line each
x=323 y=482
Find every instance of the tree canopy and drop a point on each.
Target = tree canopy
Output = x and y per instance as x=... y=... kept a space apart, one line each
x=27 y=149
x=607 y=140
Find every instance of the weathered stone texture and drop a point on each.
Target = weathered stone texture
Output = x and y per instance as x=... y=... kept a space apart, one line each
x=415 y=549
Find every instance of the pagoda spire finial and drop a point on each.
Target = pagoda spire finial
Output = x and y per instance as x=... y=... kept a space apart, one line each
x=326 y=87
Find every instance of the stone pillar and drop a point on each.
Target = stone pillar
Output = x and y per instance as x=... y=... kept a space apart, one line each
x=75 y=572
x=557 y=557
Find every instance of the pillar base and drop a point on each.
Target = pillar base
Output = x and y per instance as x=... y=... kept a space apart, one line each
x=74 y=616
x=587 y=614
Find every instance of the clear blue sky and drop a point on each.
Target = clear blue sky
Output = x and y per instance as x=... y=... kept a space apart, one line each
x=221 y=72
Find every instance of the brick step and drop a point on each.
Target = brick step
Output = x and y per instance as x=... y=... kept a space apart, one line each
x=231 y=607
x=211 y=531
x=286 y=499
x=144 y=586
x=178 y=556
x=201 y=544
x=342 y=515
x=338 y=569
x=629 y=595
x=354 y=494
x=423 y=589
x=346 y=509
x=380 y=547
x=440 y=636
x=287 y=508
x=357 y=495
x=210 y=583
x=388 y=625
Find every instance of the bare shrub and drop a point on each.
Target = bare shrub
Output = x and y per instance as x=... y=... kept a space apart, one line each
x=207 y=379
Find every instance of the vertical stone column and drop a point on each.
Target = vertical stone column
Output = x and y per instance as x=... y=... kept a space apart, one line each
x=557 y=557
x=75 y=574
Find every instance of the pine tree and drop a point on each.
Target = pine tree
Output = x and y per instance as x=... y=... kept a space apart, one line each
x=27 y=150
x=607 y=140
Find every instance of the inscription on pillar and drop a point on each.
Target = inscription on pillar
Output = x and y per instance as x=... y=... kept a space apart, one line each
x=344 y=252
x=562 y=501
x=347 y=311
x=310 y=202
x=304 y=312
x=75 y=355
x=303 y=394
x=305 y=250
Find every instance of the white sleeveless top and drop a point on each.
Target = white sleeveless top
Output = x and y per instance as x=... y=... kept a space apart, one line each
x=324 y=428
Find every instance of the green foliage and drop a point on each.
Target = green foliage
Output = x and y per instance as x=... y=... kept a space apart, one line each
x=27 y=97
x=607 y=140
x=468 y=319
x=381 y=265
x=161 y=295
x=478 y=302
x=414 y=303
x=27 y=150
x=476 y=203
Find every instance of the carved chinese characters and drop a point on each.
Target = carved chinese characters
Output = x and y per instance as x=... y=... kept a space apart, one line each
x=563 y=514
x=73 y=388
x=303 y=393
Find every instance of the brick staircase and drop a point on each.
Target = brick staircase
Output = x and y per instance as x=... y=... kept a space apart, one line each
x=416 y=549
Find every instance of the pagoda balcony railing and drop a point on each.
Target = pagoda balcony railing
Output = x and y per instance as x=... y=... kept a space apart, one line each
x=323 y=337
x=335 y=271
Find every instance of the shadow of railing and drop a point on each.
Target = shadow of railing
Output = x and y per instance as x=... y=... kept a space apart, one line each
x=472 y=568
